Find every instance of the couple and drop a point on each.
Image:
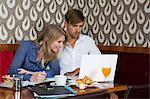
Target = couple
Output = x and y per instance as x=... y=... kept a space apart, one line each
x=38 y=60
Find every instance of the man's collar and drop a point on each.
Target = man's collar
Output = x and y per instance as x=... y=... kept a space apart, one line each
x=80 y=39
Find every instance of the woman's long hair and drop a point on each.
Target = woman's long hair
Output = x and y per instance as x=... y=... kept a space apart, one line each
x=50 y=34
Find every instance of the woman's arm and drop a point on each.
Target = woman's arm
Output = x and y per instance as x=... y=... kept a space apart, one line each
x=37 y=77
x=54 y=69
x=23 y=71
x=18 y=58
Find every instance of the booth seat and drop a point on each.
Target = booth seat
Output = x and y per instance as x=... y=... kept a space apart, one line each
x=7 y=52
x=5 y=58
x=132 y=67
x=133 y=64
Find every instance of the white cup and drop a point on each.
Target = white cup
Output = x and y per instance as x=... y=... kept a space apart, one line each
x=60 y=80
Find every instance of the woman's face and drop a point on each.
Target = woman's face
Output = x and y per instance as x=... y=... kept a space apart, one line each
x=57 y=44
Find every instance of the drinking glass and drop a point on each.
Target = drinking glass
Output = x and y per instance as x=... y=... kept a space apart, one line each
x=106 y=71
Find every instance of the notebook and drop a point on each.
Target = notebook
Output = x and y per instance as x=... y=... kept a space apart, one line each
x=46 y=90
x=91 y=65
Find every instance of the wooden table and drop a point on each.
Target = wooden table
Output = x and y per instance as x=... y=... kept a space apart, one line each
x=25 y=93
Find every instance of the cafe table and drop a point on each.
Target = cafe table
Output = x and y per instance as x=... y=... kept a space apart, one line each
x=25 y=93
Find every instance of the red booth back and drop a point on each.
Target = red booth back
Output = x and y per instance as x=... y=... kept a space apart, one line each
x=7 y=52
x=5 y=58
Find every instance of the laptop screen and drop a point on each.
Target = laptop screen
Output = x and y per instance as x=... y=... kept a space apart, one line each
x=92 y=66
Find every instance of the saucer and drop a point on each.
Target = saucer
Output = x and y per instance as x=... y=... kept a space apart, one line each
x=50 y=79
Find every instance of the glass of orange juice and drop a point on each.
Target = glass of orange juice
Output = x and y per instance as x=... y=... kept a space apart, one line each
x=106 y=71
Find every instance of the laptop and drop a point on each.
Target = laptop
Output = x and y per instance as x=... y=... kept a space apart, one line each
x=91 y=66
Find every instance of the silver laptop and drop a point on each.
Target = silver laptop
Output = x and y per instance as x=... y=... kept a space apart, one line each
x=91 y=65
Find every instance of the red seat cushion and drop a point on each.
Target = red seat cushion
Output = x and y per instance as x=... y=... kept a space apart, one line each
x=5 y=60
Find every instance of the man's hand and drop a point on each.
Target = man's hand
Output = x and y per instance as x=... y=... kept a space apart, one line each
x=73 y=73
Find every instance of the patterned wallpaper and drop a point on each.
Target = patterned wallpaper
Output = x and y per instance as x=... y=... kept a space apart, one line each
x=108 y=22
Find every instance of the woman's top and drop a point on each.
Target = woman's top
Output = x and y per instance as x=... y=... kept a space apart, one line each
x=26 y=58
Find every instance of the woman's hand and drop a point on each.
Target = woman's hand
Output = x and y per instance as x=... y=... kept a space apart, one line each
x=38 y=77
x=73 y=73
x=23 y=71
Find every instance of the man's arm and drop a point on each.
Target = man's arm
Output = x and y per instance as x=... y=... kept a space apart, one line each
x=93 y=48
x=73 y=73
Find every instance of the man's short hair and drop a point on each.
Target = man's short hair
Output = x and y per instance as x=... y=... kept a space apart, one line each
x=74 y=16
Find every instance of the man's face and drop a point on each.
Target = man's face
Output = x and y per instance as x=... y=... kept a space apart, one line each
x=74 y=30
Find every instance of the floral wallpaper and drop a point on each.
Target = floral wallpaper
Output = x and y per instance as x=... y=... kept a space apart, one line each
x=108 y=22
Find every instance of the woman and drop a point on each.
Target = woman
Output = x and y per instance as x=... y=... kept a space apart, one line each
x=38 y=60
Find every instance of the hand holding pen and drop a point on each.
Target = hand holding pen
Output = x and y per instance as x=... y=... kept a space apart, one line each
x=38 y=77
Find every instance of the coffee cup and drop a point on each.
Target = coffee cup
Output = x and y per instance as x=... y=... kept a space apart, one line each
x=60 y=80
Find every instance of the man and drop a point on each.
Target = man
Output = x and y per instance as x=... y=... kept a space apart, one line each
x=77 y=44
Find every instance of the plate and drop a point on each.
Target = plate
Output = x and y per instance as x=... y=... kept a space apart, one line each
x=6 y=85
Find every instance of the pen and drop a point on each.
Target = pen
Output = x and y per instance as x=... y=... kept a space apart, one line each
x=70 y=89
x=39 y=69
x=39 y=66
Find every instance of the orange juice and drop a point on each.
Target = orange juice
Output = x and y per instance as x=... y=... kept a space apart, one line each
x=106 y=71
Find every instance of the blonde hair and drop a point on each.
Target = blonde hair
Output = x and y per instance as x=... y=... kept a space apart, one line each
x=50 y=34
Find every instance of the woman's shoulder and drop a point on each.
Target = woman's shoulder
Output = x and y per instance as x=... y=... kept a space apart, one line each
x=27 y=43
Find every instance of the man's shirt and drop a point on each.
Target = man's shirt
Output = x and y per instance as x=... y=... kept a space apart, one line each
x=71 y=57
